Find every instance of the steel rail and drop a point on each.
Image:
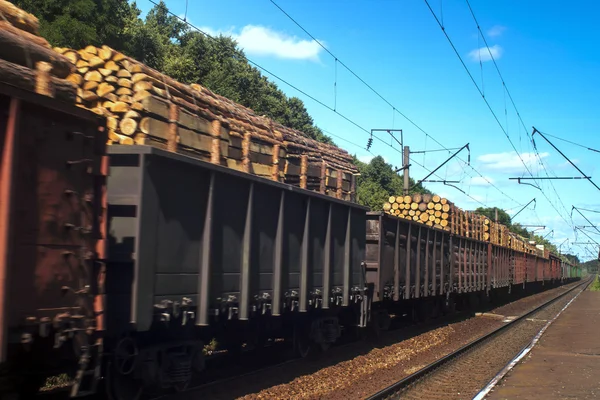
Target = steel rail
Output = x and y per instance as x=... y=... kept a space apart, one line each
x=397 y=387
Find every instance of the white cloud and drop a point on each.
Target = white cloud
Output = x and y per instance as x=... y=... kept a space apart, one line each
x=483 y=53
x=509 y=161
x=258 y=40
x=496 y=31
x=365 y=159
x=481 y=181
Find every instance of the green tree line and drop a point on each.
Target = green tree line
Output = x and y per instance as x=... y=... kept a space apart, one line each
x=167 y=44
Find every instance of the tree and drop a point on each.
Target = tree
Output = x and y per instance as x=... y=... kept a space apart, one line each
x=378 y=181
x=572 y=258
x=490 y=212
x=78 y=23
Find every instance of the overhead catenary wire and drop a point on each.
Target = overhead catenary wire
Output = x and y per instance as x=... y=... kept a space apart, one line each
x=489 y=105
x=378 y=94
x=507 y=92
x=573 y=143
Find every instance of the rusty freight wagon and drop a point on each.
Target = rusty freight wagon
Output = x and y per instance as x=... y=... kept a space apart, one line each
x=53 y=169
x=418 y=270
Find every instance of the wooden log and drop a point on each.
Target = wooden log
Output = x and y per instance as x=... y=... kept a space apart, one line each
x=173 y=136
x=123 y=73
x=105 y=53
x=43 y=84
x=19 y=18
x=245 y=152
x=435 y=198
x=93 y=76
x=303 y=170
x=422 y=206
x=387 y=206
x=215 y=154
x=132 y=114
x=88 y=95
x=395 y=206
x=392 y=199
x=117 y=57
x=84 y=55
x=323 y=182
x=128 y=126
x=119 y=107
x=111 y=98
x=75 y=79
x=89 y=85
x=275 y=167
x=124 y=82
x=122 y=91
x=105 y=72
x=18 y=50
x=25 y=78
x=40 y=41
x=72 y=56
x=417 y=198
x=426 y=198
x=104 y=89
x=111 y=65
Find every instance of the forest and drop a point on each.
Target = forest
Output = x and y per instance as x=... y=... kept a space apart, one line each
x=167 y=44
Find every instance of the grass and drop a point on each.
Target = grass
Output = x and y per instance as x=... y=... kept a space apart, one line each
x=595 y=286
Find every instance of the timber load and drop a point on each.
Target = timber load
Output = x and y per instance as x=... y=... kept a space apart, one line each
x=144 y=106
x=27 y=59
x=440 y=213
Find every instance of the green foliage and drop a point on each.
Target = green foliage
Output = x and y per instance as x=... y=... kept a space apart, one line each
x=490 y=212
x=78 y=23
x=591 y=266
x=595 y=286
x=165 y=43
x=573 y=259
x=378 y=181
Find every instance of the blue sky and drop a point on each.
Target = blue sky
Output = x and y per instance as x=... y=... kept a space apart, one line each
x=546 y=52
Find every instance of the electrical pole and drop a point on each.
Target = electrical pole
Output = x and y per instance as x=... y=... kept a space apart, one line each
x=496 y=210
x=405 y=165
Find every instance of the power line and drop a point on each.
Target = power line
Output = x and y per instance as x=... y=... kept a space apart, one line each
x=514 y=106
x=486 y=101
x=573 y=143
x=277 y=77
x=465 y=193
x=395 y=110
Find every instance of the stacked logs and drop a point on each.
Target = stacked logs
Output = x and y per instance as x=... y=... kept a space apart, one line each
x=431 y=210
x=27 y=60
x=143 y=106
x=470 y=224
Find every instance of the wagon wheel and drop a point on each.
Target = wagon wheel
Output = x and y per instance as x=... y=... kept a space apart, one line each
x=125 y=356
x=182 y=386
x=303 y=346
x=121 y=387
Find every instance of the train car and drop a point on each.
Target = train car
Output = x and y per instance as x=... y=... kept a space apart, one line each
x=198 y=251
x=53 y=172
x=419 y=270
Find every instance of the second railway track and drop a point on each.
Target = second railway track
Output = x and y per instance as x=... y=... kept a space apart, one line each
x=464 y=372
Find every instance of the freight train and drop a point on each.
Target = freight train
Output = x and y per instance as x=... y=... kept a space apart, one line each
x=119 y=264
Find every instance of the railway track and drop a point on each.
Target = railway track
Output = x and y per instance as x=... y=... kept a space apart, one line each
x=482 y=362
